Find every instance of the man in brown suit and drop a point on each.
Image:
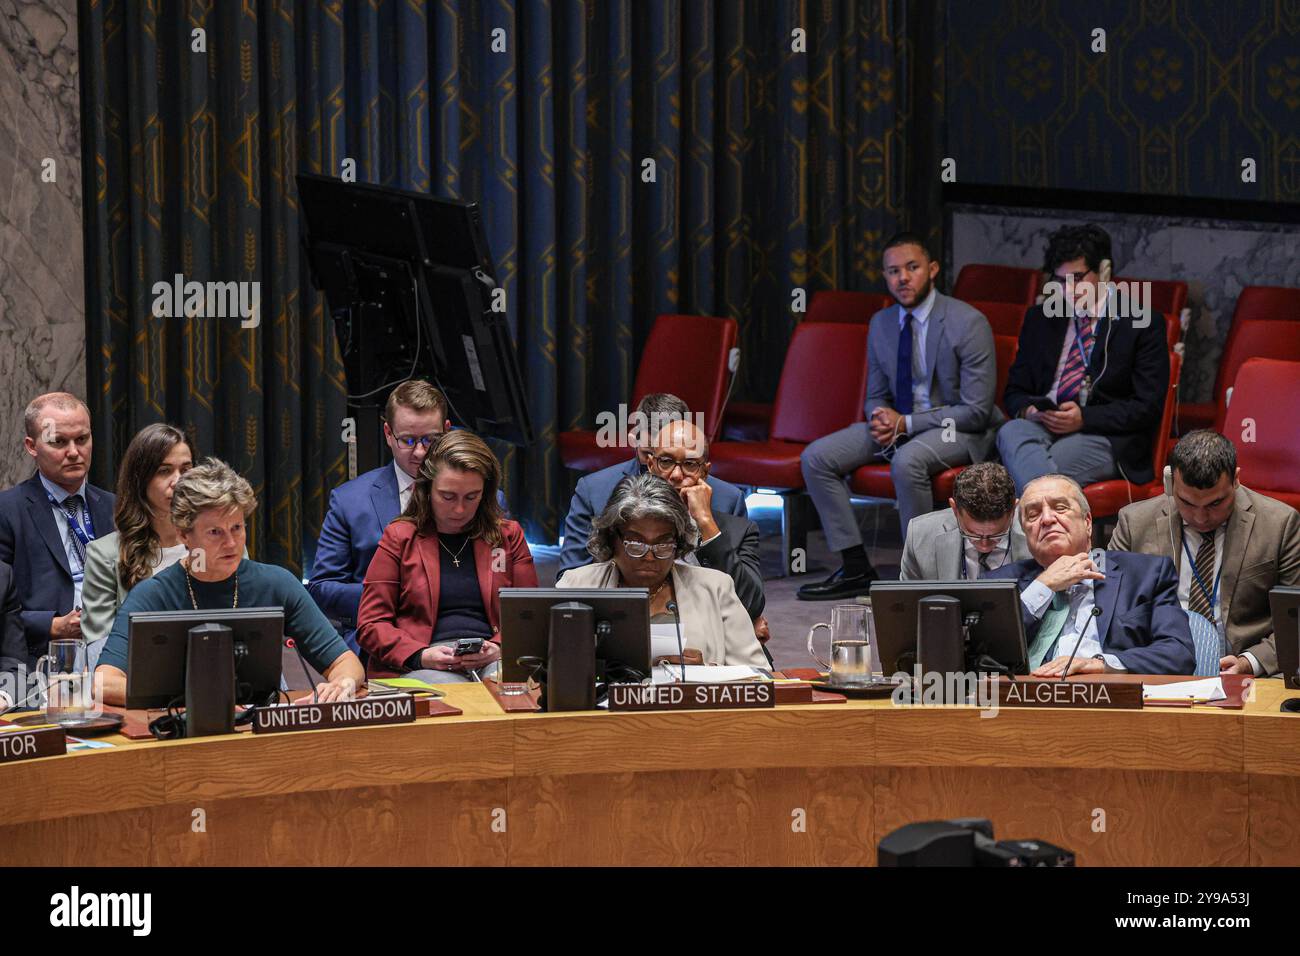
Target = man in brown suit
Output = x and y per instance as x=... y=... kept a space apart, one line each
x=1230 y=545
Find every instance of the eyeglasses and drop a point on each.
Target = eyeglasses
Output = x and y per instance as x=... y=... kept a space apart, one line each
x=998 y=538
x=411 y=441
x=638 y=549
x=691 y=467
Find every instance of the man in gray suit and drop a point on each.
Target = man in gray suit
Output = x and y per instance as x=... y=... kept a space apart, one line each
x=1229 y=545
x=978 y=533
x=931 y=384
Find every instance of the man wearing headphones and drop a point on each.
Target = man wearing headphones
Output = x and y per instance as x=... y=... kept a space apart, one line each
x=1230 y=546
x=1088 y=386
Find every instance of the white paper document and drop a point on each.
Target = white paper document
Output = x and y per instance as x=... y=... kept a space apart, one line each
x=663 y=641
x=1209 y=688
x=703 y=674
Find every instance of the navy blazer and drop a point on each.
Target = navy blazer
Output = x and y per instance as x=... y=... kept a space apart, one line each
x=359 y=512
x=1127 y=401
x=592 y=494
x=30 y=544
x=1141 y=621
x=14 y=662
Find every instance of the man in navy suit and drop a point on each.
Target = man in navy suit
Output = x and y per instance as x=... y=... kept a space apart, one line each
x=1104 y=612
x=47 y=521
x=593 y=491
x=414 y=418
x=1104 y=373
x=13 y=643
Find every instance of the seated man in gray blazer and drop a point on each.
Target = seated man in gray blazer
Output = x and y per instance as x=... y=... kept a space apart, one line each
x=593 y=490
x=729 y=543
x=1229 y=545
x=931 y=383
x=979 y=533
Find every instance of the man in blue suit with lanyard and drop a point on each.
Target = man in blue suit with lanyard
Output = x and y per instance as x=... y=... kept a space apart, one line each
x=47 y=521
x=414 y=418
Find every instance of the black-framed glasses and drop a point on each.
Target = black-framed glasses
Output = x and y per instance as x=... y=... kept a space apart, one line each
x=410 y=441
x=998 y=538
x=691 y=467
x=639 y=549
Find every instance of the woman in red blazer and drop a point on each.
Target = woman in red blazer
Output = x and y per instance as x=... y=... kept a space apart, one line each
x=439 y=568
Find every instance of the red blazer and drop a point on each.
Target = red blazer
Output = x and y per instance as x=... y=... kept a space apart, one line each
x=399 y=601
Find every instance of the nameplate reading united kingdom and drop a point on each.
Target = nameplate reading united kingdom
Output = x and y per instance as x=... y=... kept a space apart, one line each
x=398 y=709
x=1028 y=692
x=739 y=695
x=32 y=743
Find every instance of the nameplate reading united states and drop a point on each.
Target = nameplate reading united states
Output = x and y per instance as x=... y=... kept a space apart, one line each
x=740 y=695
x=1028 y=692
x=398 y=709
x=33 y=743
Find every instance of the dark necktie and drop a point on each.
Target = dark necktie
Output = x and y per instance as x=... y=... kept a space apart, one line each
x=1198 y=598
x=72 y=508
x=903 y=379
x=1073 y=374
x=984 y=562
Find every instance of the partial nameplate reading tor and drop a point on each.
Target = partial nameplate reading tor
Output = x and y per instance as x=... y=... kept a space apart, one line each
x=32 y=742
x=397 y=709
x=1033 y=692
x=734 y=695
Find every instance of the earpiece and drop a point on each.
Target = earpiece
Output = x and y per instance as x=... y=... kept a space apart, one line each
x=1169 y=481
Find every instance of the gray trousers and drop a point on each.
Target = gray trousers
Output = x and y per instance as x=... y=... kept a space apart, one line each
x=827 y=461
x=1030 y=451
x=431 y=676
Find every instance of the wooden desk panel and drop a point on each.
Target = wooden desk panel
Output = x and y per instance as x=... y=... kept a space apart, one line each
x=1179 y=787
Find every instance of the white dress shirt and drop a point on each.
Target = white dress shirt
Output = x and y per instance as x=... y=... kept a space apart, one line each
x=61 y=522
x=404 y=483
x=996 y=558
x=920 y=380
x=1038 y=598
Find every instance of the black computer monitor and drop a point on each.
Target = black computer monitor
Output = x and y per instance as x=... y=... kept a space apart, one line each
x=997 y=630
x=526 y=617
x=1285 y=603
x=159 y=641
x=409 y=281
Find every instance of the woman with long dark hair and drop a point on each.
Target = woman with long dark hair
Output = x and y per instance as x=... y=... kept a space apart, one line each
x=435 y=578
x=145 y=541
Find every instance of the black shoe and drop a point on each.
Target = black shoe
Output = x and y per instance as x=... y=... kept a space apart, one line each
x=838 y=585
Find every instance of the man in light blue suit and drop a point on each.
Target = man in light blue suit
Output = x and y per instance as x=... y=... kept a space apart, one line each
x=360 y=509
x=593 y=491
x=931 y=385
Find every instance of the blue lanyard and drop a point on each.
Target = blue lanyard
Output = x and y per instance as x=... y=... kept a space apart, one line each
x=84 y=535
x=1211 y=596
x=1078 y=343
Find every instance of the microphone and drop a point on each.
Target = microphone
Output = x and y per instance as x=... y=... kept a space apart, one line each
x=1096 y=613
x=315 y=696
x=677 y=623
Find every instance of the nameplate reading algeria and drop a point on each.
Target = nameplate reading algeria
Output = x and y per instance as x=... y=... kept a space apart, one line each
x=398 y=709
x=33 y=743
x=740 y=695
x=1027 y=692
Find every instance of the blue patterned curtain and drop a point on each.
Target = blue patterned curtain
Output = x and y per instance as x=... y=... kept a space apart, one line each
x=774 y=168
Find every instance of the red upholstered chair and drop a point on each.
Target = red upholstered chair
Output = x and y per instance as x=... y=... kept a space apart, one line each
x=1173 y=328
x=749 y=421
x=823 y=385
x=1107 y=497
x=1266 y=397
x=1004 y=317
x=1167 y=295
x=989 y=283
x=837 y=306
x=1265 y=323
x=686 y=355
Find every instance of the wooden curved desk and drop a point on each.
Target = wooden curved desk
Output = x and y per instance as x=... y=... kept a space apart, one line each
x=813 y=784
